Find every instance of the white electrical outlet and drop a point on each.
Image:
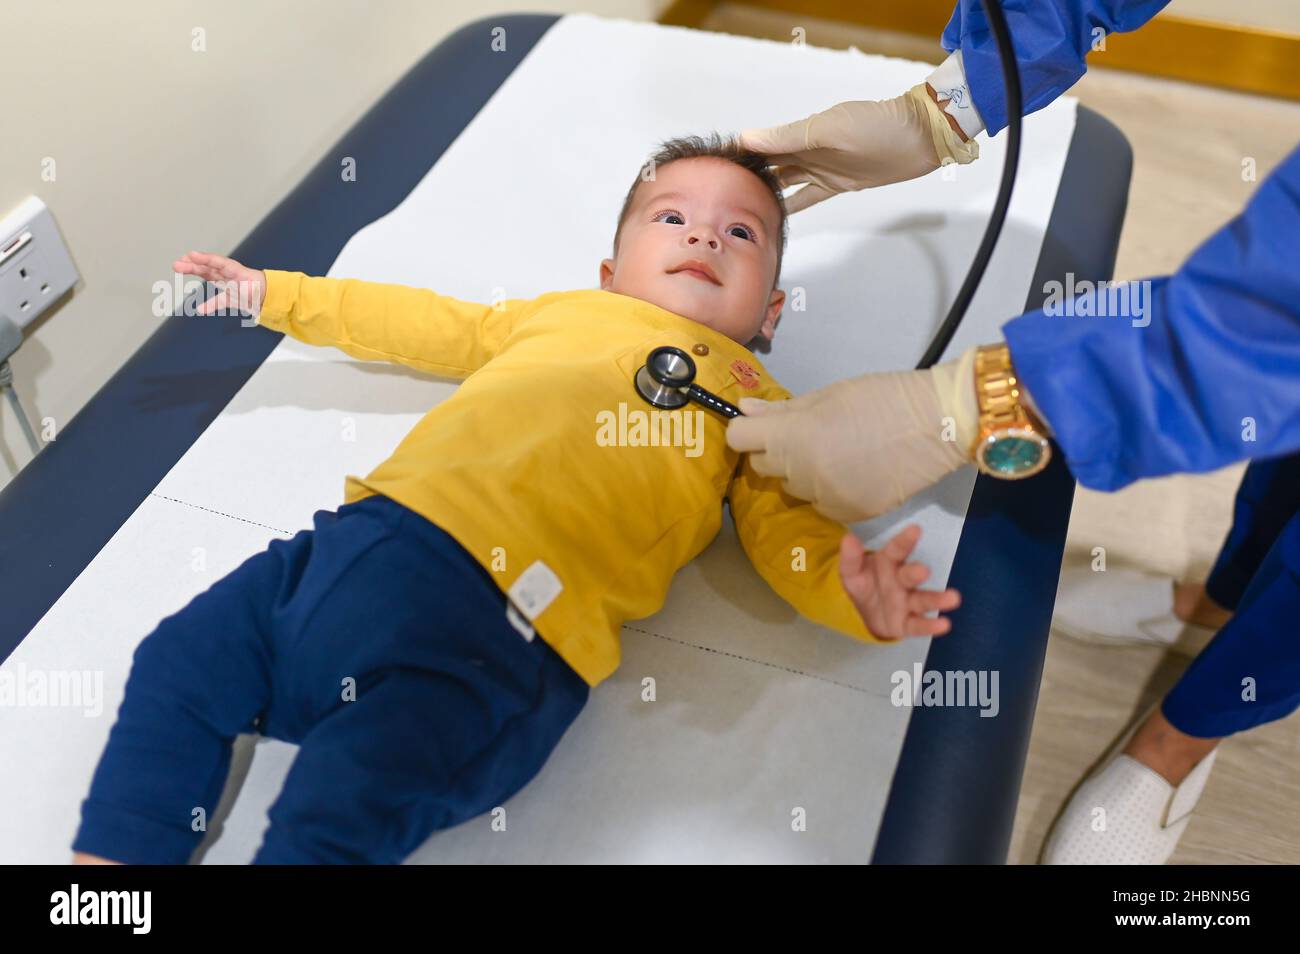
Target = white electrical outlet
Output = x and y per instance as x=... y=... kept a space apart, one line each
x=35 y=267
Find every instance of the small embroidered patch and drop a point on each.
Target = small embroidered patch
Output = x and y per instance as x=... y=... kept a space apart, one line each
x=744 y=372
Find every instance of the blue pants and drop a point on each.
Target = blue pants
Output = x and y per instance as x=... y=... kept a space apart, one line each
x=377 y=645
x=1249 y=673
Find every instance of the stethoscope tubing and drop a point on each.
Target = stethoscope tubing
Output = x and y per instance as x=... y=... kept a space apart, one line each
x=652 y=381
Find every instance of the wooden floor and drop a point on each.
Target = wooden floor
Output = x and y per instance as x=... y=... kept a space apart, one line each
x=1189 y=144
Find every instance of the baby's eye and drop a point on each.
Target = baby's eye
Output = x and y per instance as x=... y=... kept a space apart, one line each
x=669 y=213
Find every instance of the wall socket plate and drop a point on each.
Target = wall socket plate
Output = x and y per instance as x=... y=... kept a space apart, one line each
x=35 y=265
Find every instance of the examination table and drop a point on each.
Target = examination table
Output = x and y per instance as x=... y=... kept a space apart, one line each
x=772 y=739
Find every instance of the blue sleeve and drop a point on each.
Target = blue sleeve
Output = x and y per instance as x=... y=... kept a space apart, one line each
x=1051 y=39
x=1208 y=374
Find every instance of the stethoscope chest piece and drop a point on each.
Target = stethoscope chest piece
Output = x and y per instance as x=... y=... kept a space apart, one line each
x=663 y=376
x=667 y=381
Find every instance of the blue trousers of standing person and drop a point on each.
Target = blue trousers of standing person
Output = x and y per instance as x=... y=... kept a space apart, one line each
x=1249 y=673
x=375 y=643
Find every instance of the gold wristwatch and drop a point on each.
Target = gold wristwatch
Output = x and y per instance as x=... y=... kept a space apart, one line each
x=1010 y=443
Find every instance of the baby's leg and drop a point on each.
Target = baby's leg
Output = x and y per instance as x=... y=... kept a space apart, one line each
x=198 y=680
x=418 y=751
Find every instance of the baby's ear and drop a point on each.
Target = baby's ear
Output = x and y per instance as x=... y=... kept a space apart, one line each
x=606 y=273
x=775 y=303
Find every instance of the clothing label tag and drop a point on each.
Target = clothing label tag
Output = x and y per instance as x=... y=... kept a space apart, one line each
x=535 y=589
x=745 y=373
x=518 y=622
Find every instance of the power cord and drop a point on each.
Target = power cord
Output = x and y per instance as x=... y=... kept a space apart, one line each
x=11 y=337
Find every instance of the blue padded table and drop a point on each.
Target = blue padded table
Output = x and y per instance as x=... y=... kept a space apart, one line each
x=954 y=794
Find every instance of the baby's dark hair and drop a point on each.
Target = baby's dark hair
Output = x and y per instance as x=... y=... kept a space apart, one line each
x=720 y=147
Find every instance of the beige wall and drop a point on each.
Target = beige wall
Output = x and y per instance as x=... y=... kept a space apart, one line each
x=1283 y=15
x=159 y=149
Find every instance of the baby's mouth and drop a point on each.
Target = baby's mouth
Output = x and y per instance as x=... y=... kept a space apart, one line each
x=696 y=270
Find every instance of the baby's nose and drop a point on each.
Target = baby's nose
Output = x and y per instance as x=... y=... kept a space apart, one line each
x=713 y=243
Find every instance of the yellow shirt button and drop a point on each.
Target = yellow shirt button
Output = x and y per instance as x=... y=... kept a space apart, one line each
x=701 y=349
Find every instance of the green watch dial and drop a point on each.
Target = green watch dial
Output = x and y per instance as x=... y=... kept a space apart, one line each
x=1013 y=455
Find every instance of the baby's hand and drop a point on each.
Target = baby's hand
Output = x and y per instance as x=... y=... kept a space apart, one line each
x=244 y=288
x=884 y=588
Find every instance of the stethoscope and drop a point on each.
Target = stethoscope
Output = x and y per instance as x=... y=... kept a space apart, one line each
x=667 y=380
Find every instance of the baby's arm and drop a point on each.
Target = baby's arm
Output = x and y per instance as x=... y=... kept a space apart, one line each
x=820 y=567
x=372 y=321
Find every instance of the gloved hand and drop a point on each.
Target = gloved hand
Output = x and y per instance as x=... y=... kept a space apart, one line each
x=860 y=447
x=859 y=144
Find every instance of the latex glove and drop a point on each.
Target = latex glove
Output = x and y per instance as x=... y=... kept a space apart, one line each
x=860 y=447
x=859 y=144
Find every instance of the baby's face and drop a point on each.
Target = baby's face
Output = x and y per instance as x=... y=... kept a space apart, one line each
x=715 y=213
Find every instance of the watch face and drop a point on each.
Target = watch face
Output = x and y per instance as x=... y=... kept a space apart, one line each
x=1012 y=455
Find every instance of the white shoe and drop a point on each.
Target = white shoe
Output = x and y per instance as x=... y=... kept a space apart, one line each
x=1123 y=606
x=1125 y=813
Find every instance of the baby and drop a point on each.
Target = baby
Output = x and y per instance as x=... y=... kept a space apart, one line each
x=427 y=644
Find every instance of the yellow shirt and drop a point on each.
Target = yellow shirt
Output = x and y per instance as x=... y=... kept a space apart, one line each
x=549 y=468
